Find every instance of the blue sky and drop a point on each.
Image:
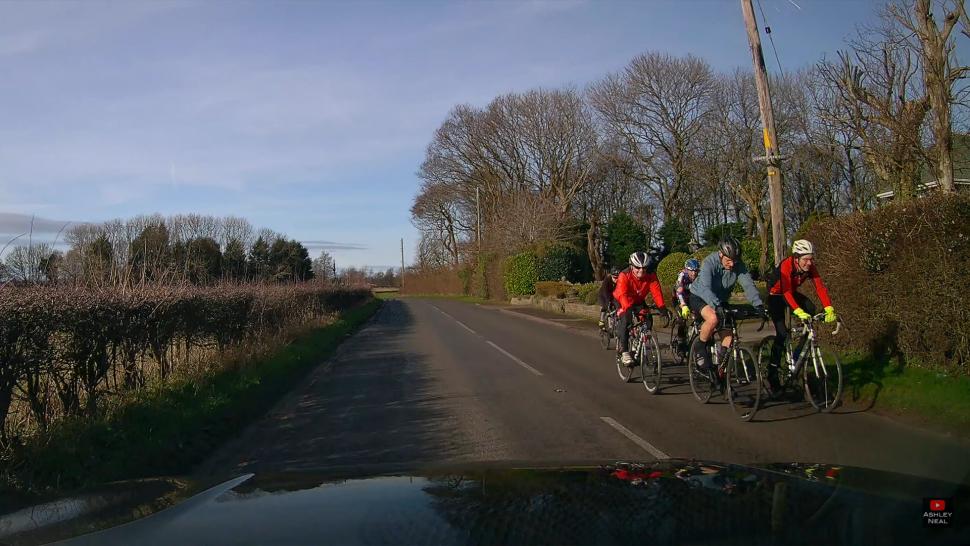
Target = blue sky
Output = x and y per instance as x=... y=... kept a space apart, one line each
x=310 y=118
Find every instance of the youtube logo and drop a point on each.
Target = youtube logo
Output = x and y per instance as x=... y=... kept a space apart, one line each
x=937 y=512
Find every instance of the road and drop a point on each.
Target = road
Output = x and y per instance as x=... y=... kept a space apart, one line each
x=434 y=381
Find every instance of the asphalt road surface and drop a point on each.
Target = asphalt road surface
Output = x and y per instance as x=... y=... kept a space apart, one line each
x=433 y=382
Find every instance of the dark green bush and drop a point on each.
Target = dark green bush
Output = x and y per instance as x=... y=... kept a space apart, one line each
x=562 y=260
x=713 y=234
x=675 y=236
x=751 y=255
x=624 y=236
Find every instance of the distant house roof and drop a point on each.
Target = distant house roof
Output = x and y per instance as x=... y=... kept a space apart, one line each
x=961 y=169
x=962 y=184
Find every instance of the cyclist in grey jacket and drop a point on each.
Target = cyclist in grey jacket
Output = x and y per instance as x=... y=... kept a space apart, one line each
x=709 y=294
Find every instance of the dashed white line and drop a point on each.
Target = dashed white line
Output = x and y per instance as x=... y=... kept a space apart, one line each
x=647 y=446
x=460 y=323
x=516 y=360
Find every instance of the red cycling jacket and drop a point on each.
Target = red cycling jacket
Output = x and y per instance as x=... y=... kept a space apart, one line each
x=790 y=279
x=630 y=291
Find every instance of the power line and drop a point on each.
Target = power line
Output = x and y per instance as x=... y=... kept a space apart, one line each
x=771 y=38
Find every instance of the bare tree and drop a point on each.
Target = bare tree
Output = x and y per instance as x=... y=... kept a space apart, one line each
x=24 y=263
x=656 y=107
x=323 y=266
x=882 y=101
x=941 y=71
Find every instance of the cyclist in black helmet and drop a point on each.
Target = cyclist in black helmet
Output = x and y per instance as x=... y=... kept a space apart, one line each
x=709 y=294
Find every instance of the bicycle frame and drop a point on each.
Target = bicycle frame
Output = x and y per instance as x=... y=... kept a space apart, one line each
x=807 y=329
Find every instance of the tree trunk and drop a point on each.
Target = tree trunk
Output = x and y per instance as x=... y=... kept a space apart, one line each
x=593 y=250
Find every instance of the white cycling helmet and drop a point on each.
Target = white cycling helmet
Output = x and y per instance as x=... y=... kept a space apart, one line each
x=639 y=259
x=801 y=247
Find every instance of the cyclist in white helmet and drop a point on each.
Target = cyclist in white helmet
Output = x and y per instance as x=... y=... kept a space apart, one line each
x=631 y=290
x=783 y=294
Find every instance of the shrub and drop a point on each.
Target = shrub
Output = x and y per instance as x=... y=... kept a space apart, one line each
x=90 y=343
x=589 y=292
x=898 y=277
x=520 y=273
x=465 y=276
x=668 y=269
x=560 y=261
x=553 y=289
x=751 y=255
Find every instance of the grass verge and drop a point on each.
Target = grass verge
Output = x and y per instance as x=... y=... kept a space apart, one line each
x=167 y=429
x=916 y=395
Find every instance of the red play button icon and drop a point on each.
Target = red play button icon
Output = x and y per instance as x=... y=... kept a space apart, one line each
x=937 y=505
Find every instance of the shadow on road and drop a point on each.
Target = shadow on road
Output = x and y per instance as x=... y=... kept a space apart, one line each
x=372 y=406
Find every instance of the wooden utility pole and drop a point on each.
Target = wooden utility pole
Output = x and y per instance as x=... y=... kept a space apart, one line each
x=402 y=263
x=772 y=157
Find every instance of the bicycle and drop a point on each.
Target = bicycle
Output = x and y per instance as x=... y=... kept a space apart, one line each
x=679 y=348
x=738 y=378
x=821 y=379
x=608 y=330
x=646 y=355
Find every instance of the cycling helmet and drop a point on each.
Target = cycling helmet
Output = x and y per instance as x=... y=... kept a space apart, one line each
x=692 y=264
x=639 y=259
x=730 y=247
x=801 y=247
x=614 y=272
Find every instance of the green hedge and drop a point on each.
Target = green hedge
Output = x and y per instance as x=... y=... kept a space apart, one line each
x=520 y=273
x=898 y=276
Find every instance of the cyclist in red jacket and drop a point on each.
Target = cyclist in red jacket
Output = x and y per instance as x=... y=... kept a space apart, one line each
x=631 y=291
x=783 y=294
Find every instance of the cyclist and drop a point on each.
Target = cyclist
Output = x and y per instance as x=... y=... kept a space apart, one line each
x=607 y=303
x=783 y=294
x=681 y=294
x=709 y=294
x=631 y=290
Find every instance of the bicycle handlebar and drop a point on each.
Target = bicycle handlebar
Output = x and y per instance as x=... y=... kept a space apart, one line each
x=819 y=318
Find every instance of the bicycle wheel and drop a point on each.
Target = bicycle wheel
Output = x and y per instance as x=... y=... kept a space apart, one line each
x=605 y=338
x=823 y=379
x=675 y=345
x=651 y=364
x=701 y=382
x=764 y=357
x=743 y=383
x=626 y=372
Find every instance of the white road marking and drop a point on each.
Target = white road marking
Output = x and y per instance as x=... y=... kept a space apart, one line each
x=516 y=360
x=460 y=323
x=647 y=446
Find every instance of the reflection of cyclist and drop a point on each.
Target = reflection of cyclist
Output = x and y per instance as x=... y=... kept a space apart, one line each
x=631 y=290
x=605 y=296
x=783 y=294
x=720 y=271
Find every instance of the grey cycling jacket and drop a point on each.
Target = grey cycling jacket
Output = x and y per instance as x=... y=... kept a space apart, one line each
x=714 y=283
